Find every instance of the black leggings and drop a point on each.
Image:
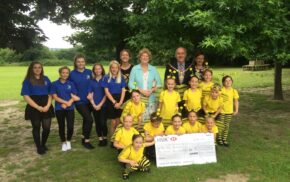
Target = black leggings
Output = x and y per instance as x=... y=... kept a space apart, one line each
x=69 y=116
x=101 y=122
x=36 y=124
x=85 y=112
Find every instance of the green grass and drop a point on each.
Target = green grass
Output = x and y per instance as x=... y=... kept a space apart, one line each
x=260 y=150
x=259 y=136
x=11 y=78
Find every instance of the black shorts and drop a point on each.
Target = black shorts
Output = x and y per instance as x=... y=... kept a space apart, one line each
x=33 y=114
x=112 y=112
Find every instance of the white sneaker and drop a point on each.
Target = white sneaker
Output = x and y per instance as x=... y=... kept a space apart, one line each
x=64 y=147
x=68 y=145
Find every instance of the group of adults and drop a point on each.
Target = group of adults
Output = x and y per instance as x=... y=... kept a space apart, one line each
x=142 y=76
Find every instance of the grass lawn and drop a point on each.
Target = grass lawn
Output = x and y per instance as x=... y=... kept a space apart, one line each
x=12 y=77
x=259 y=136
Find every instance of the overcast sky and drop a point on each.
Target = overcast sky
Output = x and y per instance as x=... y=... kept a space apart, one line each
x=55 y=34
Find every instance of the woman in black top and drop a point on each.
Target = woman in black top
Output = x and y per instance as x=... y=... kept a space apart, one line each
x=200 y=65
x=126 y=67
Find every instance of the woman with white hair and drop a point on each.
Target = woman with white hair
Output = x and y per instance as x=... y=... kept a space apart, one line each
x=145 y=78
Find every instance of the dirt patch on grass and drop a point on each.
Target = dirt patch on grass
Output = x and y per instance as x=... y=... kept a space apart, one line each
x=230 y=178
x=6 y=103
x=265 y=90
x=16 y=155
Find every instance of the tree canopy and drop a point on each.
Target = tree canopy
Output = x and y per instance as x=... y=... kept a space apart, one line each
x=226 y=28
x=18 y=24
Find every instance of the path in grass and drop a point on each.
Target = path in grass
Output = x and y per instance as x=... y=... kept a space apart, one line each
x=259 y=150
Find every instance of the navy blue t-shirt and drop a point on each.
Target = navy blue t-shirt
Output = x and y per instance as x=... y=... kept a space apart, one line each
x=113 y=86
x=97 y=90
x=63 y=91
x=82 y=82
x=29 y=89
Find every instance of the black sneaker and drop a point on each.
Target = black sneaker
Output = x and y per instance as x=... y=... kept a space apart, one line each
x=88 y=145
x=125 y=176
x=40 y=151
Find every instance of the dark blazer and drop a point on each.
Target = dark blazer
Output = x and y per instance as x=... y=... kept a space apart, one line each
x=172 y=65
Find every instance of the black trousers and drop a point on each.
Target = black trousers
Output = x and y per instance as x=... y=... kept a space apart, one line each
x=36 y=124
x=150 y=152
x=85 y=112
x=101 y=122
x=69 y=117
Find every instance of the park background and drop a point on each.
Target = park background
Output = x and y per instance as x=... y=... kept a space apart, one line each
x=231 y=33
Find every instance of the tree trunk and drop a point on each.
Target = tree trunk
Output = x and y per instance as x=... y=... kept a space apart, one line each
x=278 y=92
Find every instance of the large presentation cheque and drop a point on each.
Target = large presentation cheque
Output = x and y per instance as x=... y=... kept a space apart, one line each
x=196 y=148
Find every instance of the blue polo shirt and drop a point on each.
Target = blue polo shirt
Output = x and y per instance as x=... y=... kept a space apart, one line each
x=97 y=90
x=113 y=86
x=63 y=91
x=81 y=81
x=29 y=89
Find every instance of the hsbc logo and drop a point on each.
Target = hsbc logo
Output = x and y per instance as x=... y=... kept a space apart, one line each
x=173 y=139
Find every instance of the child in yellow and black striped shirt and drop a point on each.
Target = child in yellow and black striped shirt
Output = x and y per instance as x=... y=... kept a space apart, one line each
x=230 y=107
x=213 y=103
x=206 y=84
x=192 y=126
x=132 y=157
x=135 y=108
x=124 y=134
x=168 y=102
x=210 y=127
x=152 y=129
x=176 y=127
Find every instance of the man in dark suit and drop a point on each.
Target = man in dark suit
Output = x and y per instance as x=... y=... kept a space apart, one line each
x=179 y=68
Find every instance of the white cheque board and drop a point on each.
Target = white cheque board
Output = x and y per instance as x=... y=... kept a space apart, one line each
x=174 y=150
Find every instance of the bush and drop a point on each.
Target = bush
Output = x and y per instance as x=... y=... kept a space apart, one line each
x=67 y=54
x=56 y=62
x=45 y=62
x=37 y=53
x=8 y=56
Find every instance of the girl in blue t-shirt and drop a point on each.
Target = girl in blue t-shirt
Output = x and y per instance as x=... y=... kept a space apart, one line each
x=81 y=77
x=64 y=93
x=97 y=99
x=114 y=85
x=36 y=93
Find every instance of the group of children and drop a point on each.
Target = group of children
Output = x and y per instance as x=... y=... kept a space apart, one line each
x=208 y=107
x=204 y=107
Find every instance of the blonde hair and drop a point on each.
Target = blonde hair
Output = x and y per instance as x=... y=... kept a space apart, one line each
x=119 y=75
x=207 y=118
x=127 y=115
x=216 y=87
x=144 y=50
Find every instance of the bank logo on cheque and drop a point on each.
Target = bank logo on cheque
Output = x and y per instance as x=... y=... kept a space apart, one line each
x=163 y=139
x=173 y=139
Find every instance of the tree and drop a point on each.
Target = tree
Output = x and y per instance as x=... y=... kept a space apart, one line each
x=253 y=29
x=105 y=28
x=18 y=24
